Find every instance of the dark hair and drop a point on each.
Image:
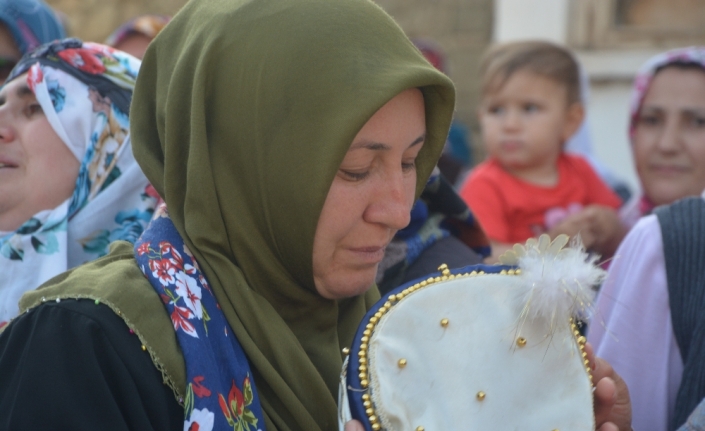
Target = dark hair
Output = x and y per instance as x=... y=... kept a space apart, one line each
x=542 y=58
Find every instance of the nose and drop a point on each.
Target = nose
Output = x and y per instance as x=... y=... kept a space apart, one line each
x=392 y=202
x=669 y=139
x=7 y=132
x=511 y=120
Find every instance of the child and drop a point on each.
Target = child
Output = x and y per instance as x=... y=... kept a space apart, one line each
x=530 y=107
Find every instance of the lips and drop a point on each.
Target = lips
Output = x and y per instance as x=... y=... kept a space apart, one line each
x=669 y=169
x=368 y=255
x=511 y=145
x=5 y=162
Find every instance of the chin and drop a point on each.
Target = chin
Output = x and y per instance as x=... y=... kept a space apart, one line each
x=348 y=285
x=666 y=197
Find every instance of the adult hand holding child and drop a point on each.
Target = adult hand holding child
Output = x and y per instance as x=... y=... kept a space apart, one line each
x=599 y=227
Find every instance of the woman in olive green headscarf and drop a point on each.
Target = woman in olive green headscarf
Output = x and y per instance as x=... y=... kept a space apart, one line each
x=242 y=116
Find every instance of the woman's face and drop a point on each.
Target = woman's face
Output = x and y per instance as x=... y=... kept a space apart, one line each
x=669 y=140
x=370 y=198
x=135 y=44
x=37 y=170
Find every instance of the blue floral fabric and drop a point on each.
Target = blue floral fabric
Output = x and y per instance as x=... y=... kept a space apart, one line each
x=220 y=392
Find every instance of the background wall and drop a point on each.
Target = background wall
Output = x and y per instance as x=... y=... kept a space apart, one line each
x=462 y=27
x=94 y=20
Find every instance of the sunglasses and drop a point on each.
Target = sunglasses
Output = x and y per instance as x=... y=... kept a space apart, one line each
x=6 y=66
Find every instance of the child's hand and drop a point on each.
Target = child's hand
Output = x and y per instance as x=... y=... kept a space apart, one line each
x=354 y=426
x=599 y=227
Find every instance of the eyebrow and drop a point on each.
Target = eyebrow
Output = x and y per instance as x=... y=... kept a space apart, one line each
x=688 y=111
x=379 y=146
x=23 y=91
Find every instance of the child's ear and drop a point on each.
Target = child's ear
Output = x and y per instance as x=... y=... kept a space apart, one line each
x=574 y=118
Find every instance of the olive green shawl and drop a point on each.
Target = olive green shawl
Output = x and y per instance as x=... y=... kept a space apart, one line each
x=242 y=113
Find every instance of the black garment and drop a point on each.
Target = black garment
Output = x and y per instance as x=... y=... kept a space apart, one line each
x=449 y=250
x=75 y=366
x=683 y=231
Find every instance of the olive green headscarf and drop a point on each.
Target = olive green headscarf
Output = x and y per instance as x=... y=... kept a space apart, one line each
x=242 y=114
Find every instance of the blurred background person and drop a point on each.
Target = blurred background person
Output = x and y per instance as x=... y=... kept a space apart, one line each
x=69 y=184
x=667 y=129
x=24 y=25
x=456 y=160
x=648 y=322
x=529 y=185
x=134 y=36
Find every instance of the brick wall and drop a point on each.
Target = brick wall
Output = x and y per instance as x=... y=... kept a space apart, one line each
x=462 y=27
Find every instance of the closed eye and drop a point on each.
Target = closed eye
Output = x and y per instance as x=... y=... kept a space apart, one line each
x=354 y=176
x=33 y=108
x=406 y=167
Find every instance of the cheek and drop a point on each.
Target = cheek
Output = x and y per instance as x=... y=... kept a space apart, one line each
x=490 y=131
x=50 y=161
x=695 y=149
x=642 y=148
x=340 y=212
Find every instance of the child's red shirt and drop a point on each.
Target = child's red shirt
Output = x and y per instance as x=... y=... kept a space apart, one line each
x=511 y=210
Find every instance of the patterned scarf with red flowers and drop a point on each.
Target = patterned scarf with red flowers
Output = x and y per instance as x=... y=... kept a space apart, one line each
x=220 y=393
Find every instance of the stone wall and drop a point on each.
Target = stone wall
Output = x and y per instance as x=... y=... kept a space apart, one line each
x=94 y=20
x=462 y=27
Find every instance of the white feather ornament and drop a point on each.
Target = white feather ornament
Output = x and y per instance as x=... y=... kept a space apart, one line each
x=558 y=280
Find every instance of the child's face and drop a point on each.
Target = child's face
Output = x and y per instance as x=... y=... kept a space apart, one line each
x=669 y=139
x=527 y=120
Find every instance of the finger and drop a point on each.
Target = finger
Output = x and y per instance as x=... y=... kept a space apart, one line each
x=608 y=426
x=354 y=426
x=601 y=369
x=605 y=396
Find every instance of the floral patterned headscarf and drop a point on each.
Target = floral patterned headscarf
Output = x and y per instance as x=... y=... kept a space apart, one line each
x=642 y=82
x=85 y=91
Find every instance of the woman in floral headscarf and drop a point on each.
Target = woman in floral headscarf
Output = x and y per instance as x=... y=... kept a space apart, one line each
x=649 y=322
x=666 y=134
x=70 y=184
